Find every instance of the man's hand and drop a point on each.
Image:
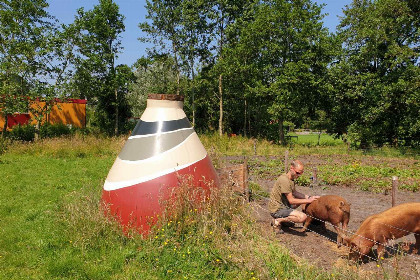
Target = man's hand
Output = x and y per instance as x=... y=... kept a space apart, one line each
x=313 y=198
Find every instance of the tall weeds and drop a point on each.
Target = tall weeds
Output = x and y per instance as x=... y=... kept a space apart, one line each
x=199 y=235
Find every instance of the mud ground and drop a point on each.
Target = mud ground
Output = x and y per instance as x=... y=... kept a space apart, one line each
x=319 y=247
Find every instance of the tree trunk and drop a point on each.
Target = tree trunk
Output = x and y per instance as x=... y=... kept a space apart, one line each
x=281 y=132
x=193 y=92
x=6 y=123
x=220 y=106
x=245 y=117
x=221 y=28
x=178 y=72
x=116 y=113
x=37 y=127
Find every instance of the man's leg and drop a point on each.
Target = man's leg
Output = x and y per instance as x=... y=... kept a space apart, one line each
x=294 y=216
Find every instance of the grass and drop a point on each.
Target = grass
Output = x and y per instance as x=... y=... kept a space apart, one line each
x=310 y=140
x=52 y=227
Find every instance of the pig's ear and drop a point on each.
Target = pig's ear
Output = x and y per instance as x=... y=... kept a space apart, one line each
x=346 y=240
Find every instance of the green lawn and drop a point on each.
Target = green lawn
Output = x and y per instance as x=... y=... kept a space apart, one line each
x=35 y=190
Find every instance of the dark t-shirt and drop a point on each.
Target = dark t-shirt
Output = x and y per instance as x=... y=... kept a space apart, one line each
x=278 y=199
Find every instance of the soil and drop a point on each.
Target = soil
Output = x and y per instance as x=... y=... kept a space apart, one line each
x=319 y=247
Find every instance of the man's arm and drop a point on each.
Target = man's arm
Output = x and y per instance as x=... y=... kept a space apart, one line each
x=304 y=196
x=297 y=194
x=302 y=200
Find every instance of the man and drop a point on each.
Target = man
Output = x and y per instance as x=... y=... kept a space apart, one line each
x=284 y=198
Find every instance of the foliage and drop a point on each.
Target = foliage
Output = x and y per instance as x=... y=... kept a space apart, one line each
x=311 y=140
x=375 y=96
x=287 y=78
x=54 y=130
x=4 y=144
x=165 y=17
x=23 y=133
x=152 y=75
x=245 y=67
x=24 y=33
x=97 y=77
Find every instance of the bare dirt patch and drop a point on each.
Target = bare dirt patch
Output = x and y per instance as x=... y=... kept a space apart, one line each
x=319 y=248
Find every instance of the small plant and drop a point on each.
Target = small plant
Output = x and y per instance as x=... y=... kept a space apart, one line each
x=257 y=190
x=23 y=133
x=303 y=181
x=4 y=143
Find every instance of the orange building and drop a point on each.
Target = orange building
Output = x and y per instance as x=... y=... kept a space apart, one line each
x=71 y=112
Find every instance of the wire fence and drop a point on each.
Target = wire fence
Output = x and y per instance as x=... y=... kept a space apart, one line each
x=353 y=233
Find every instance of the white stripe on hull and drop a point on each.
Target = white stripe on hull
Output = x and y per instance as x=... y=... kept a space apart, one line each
x=111 y=186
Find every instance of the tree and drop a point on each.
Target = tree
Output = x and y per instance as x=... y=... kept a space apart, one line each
x=96 y=74
x=184 y=24
x=195 y=40
x=165 y=16
x=24 y=30
x=222 y=16
x=287 y=50
x=377 y=77
x=155 y=74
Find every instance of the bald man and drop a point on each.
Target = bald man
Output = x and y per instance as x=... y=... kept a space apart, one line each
x=284 y=198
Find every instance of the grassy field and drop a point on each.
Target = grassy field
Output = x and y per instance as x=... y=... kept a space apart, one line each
x=51 y=225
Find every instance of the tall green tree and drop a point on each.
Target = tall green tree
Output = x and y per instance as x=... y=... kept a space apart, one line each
x=99 y=43
x=164 y=28
x=195 y=40
x=377 y=78
x=24 y=29
x=184 y=26
x=152 y=75
x=222 y=16
x=286 y=49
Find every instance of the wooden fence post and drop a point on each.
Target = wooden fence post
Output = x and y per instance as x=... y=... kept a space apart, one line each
x=394 y=189
x=314 y=176
x=286 y=161
x=245 y=178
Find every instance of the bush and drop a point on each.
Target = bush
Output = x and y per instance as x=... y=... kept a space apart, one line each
x=23 y=133
x=27 y=132
x=54 y=130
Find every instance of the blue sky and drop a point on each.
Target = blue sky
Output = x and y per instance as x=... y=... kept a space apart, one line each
x=134 y=12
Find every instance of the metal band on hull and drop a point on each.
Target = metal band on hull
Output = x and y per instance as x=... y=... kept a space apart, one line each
x=145 y=128
x=146 y=147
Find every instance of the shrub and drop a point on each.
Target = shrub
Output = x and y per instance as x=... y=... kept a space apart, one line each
x=54 y=130
x=23 y=133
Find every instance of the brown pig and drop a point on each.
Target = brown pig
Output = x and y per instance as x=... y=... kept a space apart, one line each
x=377 y=229
x=329 y=208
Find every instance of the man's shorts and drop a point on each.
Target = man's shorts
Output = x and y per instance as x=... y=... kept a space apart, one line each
x=281 y=213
